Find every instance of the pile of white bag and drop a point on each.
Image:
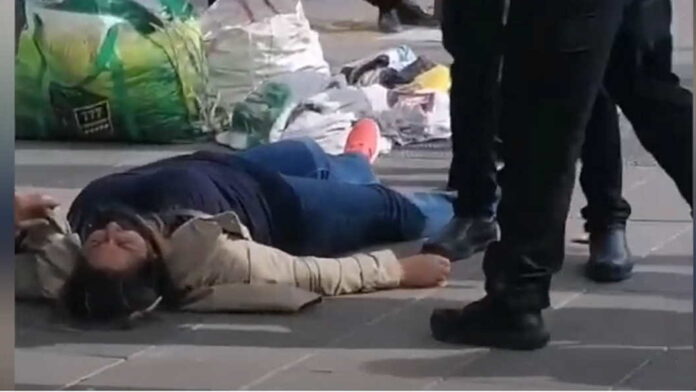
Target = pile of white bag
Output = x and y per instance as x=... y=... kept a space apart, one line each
x=251 y=41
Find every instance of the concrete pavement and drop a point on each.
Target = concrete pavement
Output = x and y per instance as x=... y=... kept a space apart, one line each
x=632 y=335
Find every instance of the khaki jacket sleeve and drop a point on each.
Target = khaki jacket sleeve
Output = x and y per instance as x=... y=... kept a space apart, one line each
x=362 y=272
x=45 y=259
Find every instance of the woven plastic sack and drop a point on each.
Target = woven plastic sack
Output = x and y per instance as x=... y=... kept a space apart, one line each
x=111 y=70
x=251 y=41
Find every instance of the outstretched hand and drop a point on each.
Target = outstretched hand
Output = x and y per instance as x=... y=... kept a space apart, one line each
x=424 y=270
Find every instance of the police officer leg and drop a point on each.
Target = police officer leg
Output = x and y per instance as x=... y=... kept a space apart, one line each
x=555 y=56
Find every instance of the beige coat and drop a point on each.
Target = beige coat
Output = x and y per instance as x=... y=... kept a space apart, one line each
x=216 y=262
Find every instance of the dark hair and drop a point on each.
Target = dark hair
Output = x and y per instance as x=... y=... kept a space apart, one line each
x=93 y=295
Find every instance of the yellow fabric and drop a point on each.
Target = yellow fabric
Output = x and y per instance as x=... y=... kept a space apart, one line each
x=437 y=79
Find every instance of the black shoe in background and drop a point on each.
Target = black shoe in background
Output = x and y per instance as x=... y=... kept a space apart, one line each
x=413 y=15
x=486 y=323
x=610 y=259
x=463 y=237
x=389 y=21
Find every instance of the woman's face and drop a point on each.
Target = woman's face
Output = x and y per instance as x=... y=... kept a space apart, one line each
x=114 y=249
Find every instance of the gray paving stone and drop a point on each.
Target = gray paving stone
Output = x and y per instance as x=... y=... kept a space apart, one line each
x=59 y=176
x=37 y=330
x=407 y=327
x=315 y=327
x=622 y=320
x=666 y=275
x=195 y=367
x=682 y=245
x=367 y=369
x=89 y=155
x=554 y=368
x=671 y=276
x=658 y=199
x=52 y=370
x=670 y=370
x=633 y=178
x=511 y=383
x=645 y=238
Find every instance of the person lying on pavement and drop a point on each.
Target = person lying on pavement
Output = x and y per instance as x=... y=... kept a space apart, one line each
x=261 y=230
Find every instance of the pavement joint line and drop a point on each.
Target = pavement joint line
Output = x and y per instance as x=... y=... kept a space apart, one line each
x=92 y=374
x=570 y=299
x=667 y=241
x=332 y=342
x=642 y=182
x=278 y=370
x=615 y=347
x=426 y=294
x=574 y=345
x=647 y=220
x=681 y=348
x=637 y=370
x=656 y=292
x=107 y=367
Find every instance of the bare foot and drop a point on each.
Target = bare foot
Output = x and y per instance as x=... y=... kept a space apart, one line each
x=423 y=270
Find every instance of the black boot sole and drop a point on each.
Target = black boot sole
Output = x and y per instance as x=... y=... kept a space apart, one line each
x=530 y=340
x=608 y=273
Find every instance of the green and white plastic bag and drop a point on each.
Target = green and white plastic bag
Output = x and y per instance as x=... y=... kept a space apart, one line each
x=112 y=70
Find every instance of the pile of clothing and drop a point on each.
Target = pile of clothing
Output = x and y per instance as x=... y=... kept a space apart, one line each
x=408 y=95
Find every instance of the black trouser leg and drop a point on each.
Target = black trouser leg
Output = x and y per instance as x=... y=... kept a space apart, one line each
x=640 y=80
x=556 y=53
x=601 y=176
x=472 y=33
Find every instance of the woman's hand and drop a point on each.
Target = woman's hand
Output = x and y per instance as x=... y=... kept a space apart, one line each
x=31 y=206
x=424 y=270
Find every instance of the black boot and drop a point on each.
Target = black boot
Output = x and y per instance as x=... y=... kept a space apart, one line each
x=463 y=237
x=610 y=258
x=411 y=14
x=486 y=323
x=389 y=21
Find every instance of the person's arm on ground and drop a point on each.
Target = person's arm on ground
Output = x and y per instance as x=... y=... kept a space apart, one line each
x=362 y=272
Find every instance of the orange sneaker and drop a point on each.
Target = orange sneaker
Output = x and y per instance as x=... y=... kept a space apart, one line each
x=364 y=139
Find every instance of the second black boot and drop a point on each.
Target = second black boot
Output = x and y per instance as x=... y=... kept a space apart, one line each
x=610 y=259
x=463 y=237
x=486 y=323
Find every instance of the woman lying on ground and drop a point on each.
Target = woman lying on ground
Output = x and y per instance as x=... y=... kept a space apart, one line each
x=258 y=230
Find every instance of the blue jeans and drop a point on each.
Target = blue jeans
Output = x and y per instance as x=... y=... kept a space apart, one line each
x=343 y=206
